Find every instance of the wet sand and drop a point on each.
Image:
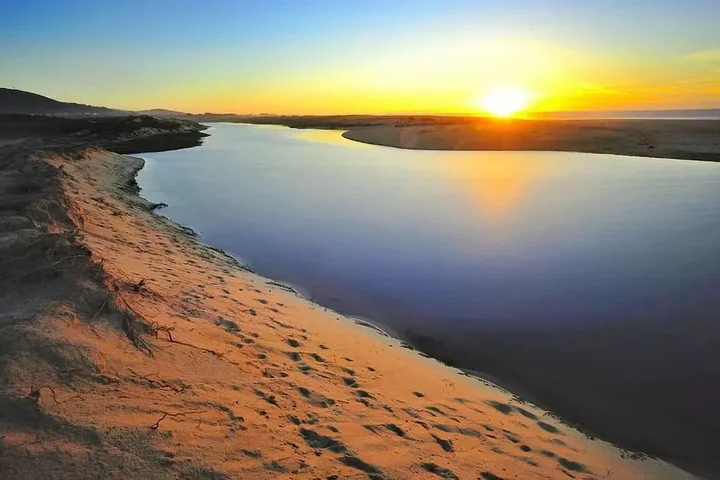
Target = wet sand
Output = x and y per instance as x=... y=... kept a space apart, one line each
x=174 y=361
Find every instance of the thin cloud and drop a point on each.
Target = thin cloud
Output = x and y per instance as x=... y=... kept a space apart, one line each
x=585 y=88
x=705 y=56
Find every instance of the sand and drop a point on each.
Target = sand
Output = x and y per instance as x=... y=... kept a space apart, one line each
x=186 y=365
x=680 y=139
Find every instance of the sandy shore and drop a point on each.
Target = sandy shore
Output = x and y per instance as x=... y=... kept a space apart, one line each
x=680 y=139
x=185 y=365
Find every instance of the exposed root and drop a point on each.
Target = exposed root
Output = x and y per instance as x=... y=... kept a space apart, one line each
x=156 y=425
x=36 y=395
x=160 y=383
x=157 y=328
x=68 y=258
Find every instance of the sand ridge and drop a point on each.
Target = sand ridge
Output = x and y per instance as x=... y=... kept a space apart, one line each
x=206 y=370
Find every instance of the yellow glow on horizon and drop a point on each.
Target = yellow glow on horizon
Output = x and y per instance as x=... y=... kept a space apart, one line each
x=443 y=75
x=504 y=101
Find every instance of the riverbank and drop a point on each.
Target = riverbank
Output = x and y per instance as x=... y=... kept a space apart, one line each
x=678 y=139
x=388 y=251
x=170 y=360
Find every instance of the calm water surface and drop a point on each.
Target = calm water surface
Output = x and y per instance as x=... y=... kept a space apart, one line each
x=590 y=282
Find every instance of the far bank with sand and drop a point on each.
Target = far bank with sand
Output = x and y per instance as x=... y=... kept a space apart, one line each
x=692 y=139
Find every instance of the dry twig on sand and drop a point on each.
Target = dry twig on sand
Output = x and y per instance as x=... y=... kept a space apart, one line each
x=36 y=395
x=156 y=328
x=160 y=382
x=156 y=425
x=67 y=258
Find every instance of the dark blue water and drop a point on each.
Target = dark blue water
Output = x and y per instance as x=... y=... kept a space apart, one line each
x=591 y=282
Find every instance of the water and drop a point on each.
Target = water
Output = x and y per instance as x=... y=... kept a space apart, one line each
x=589 y=282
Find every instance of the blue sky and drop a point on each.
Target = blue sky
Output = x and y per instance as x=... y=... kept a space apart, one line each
x=334 y=56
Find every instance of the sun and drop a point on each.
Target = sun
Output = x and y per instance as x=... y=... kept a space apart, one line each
x=504 y=101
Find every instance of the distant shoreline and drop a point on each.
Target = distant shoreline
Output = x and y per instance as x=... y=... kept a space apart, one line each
x=682 y=139
x=676 y=139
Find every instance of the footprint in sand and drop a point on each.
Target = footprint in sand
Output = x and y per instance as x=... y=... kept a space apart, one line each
x=526 y=414
x=316 y=399
x=294 y=356
x=468 y=432
x=439 y=471
x=268 y=398
x=411 y=412
x=571 y=465
x=501 y=407
x=316 y=440
x=444 y=444
x=251 y=453
x=317 y=358
x=436 y=410
x=395 y=429
x=373 y=429
x=350 y=382
x=547 y=427
x=489 y=476
x=284 y=325
x=363 y=394
x=305 y=368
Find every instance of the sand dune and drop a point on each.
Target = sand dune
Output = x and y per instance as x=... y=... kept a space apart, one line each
x=193 y=367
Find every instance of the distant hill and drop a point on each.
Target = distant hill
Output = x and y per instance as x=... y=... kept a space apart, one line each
x=19 y=102
x=162 y=112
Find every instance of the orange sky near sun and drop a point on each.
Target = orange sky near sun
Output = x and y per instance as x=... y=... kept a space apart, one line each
x=451 y=77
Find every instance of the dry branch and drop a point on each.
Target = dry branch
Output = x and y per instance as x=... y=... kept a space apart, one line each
x=67 y=258
x=156 y=425
x=35 y=394
x=160 y=382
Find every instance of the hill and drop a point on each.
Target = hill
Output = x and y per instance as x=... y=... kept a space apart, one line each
x=20 y=102
x=162 y=112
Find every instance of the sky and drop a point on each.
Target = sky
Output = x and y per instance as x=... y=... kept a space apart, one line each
x=367 y=56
